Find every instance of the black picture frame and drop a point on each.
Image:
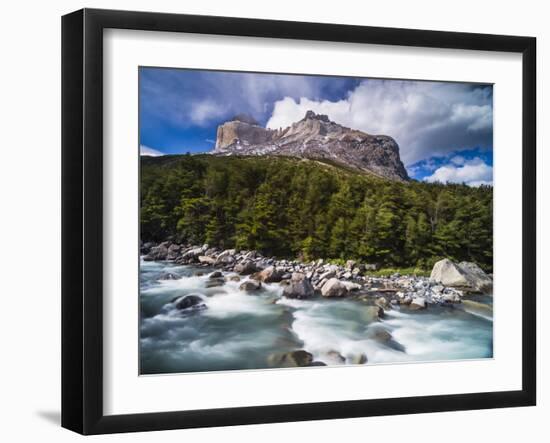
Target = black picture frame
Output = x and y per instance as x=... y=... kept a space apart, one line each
x=82 y=215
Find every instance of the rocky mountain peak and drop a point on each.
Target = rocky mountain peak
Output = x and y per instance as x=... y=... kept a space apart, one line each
x=245 y=118
x=310 y=115
x=314 y=137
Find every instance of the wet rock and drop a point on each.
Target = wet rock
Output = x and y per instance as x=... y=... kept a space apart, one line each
x=372 y=313
x=168 y=276
x=317 y=363
x=418 y=303
x=382 y=302
x=298 y=287
x=215 y=282
x=189 y=302
x=357 y=359
x=379 y=334
x=336 y=357
x=290 y=359
x=334 y=288
x=250 y=286
x=233 y=278
x=451 y=296
x=216 y=274
x=395 y=345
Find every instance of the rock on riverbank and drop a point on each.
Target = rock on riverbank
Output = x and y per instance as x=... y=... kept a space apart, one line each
x=448 y=283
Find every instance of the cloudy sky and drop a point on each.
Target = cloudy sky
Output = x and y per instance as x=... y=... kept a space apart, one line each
x=444 y=130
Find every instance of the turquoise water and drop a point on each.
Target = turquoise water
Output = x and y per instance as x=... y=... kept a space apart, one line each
x=240 y=331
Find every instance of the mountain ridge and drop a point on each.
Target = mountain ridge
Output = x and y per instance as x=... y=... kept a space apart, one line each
x=313 y=137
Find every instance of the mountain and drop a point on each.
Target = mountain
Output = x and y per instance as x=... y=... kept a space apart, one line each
x=313 y=137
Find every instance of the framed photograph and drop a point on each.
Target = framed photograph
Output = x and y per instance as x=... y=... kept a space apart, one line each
x=269 y=221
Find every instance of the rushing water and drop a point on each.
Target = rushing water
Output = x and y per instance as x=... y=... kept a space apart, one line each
x=238 y=330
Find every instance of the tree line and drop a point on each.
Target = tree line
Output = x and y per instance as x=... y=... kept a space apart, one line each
x=288 y=207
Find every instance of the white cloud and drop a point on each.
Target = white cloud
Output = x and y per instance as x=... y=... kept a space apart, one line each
x=458 y=160
x=425 y=118
x=201 y=113
x=473 y=172
x=146 y=150
x=201 y=98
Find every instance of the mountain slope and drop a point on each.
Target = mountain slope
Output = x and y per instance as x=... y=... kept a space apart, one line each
x=314 y=137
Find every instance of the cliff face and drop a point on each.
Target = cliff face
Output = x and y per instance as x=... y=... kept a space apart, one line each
x=314 y=137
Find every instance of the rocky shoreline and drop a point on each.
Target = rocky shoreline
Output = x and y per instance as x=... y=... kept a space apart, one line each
x=448 y=284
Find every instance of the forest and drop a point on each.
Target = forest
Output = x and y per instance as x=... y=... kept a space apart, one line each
x=295 y=208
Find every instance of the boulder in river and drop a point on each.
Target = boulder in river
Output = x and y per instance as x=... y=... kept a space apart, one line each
x=357 y=359
x=379 y=334
x=480 y=280
x=291 y=359
x=168 y=276
x=418 y=303
x=317 y=363
x=250 y=286
x=382 y=302
x=216 y=274
x=466 y=275
x=335 y=357
x=189 y=302
x=334 y=288
x=214 y=282
x=372 y=313
x=298 y=287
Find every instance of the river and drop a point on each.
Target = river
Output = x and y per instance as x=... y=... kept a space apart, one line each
x=238 y=330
